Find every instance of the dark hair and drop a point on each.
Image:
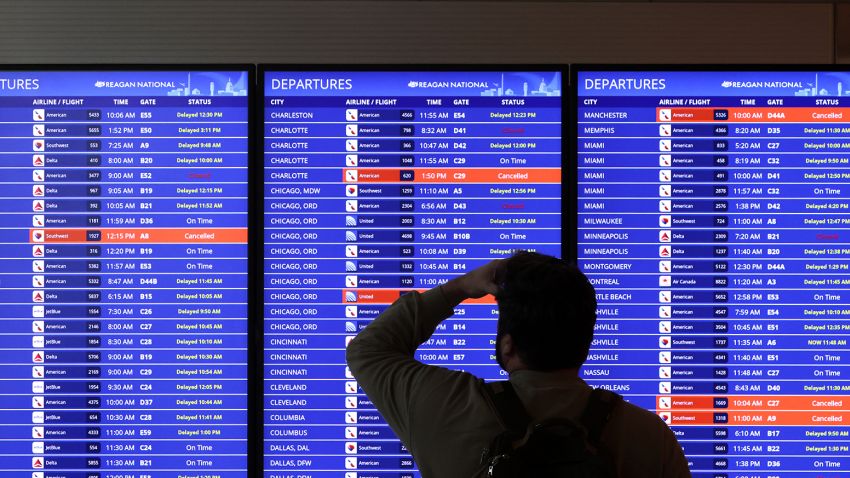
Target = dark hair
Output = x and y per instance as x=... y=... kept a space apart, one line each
x=549 y=308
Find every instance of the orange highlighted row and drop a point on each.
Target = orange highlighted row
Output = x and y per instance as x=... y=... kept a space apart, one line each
x=388 y=296
x=755 y=419
x=753 y=402
x=751 y=115
x=453 y=175
x=139 y=236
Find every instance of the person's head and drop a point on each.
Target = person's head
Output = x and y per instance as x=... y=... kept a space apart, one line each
x=547 y=311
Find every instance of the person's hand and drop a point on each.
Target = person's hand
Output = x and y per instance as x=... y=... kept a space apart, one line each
x=474 y=284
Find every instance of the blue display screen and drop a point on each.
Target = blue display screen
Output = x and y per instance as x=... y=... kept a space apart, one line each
x=124 y=273
x=377 y=183
x=713 y=221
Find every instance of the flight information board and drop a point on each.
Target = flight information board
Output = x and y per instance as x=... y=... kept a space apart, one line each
x=713 y=221
x=124 y=273
x=376 y=183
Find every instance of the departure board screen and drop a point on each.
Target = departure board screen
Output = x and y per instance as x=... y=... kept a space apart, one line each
x=377 y=183
x=124 y=273
x=713 y=221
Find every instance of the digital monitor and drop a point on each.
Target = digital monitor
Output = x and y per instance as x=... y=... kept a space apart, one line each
x=378 y=182
x=124 y=272
x=713 y=221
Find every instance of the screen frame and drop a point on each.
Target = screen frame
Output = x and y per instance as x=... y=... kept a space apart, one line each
x=567 y=236
x=253 y=438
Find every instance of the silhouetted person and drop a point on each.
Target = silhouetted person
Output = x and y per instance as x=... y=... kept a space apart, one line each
x=547 y=312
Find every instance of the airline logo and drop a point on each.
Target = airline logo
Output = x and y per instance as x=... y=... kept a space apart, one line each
x=665 y=296
x=38 y=220
x=664 y=251
x=665 y=190
x=38 y=175
x=664 y=236
x=350 y=175
x=665 y=403
x=348 y=339
x=38 y=387
x=350 y=417
x=38 y=281
x=37 y=356
x=350 y=387
x=665 y=387
x=38 y=462
x=38 y=447
x=351 y=130
x=665 y=145
x=350 y=432
x=38 y=432
x=38 y=205
x=38 y=371
x=350 y=463
x=665 y=266
x=351 y=281
x=38 y=145
x=665 y=342
x=38 y=312
x=665 y=220
x=38 y=341
x=351 y=145
x=38 y=296
x=665 y=372
x=348 y=373
x=38 y=251
x=351 y=311
x=665 y=160
x=665 y=205
x=665 y=175
x=351 y=205
x=665 y=326
x=38 y=326
x=38 y=235
x=351 y=190
x=665 y=130
x=665 y=281
x=38 y=115
x=351 y=447
x=666 y=416
x=38 y=417
x=665 y=114
x=350 y=251
x=351 y=160
x=665 y=357
x=37 y=190
x=351 y=115
x=38 y=130
x=350 y=402
x=38 y=402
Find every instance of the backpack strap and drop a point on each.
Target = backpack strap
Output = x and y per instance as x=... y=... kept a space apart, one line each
x=597 y=413
x=509 y=408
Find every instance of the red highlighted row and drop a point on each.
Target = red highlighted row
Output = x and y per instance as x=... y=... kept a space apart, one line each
x=388 y=296
x=756 y=419
x=453 y=175
x=753 y=115
x=139 y=236
x=753 y=402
